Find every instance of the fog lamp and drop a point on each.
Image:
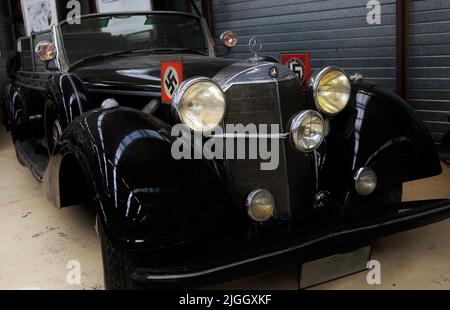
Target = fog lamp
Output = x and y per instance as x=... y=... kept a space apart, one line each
x=307 y=131
x=365 y=181
x=260 y=205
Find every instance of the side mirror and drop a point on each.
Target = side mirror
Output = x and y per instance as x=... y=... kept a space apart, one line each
x=46 y=51
x=229 y=39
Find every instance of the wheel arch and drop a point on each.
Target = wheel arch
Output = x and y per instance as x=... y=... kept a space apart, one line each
x=75 y=187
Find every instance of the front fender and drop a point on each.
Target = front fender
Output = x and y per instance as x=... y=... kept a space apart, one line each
x=144 y=195
x=70 y=94
x=379 y=130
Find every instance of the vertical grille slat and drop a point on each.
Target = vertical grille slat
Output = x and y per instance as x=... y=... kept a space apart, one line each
x=257 y=103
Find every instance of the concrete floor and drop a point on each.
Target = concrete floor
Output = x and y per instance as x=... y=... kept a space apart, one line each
x=38 y=241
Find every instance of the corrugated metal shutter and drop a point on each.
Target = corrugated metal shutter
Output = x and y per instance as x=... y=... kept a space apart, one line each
x=335 y=31
x=430 y=64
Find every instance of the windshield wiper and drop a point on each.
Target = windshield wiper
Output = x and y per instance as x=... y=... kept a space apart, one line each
x=88 y=59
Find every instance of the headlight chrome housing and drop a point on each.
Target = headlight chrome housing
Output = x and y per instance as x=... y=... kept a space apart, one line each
x=331 y=90
x=307 y=131
x=260 y=205
x=200 y=104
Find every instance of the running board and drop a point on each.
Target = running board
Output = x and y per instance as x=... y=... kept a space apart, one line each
x=27 y=155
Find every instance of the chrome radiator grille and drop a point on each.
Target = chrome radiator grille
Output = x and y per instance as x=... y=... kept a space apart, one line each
x=257 y=104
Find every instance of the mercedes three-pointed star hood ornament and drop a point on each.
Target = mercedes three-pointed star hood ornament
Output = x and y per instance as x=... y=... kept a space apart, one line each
x=255 y=46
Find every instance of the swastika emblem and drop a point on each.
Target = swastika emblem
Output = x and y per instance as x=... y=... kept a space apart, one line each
x=297 y=66
x=171 y=78
x=171 y=81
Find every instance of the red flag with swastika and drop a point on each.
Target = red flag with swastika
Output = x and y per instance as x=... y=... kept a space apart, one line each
x=171 y=78
x=300 y=64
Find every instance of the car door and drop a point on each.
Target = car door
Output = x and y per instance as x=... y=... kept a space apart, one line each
x=32 y=79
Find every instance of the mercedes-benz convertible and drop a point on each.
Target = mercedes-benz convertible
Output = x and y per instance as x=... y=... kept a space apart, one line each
x=203 y=168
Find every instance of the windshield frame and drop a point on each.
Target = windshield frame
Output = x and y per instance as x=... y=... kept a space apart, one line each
x=57 y=31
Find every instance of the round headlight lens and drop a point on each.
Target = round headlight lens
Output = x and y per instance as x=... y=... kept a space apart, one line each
x=200 y=104
x=46 y=50
x=307 y=131
x=229 y=38
x=332 y=90
x=260 y=205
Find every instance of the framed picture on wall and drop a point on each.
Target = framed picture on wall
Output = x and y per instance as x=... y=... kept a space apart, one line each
x=123 y=5
x=39 y=15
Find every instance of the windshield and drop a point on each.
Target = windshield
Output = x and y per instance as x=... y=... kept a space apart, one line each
x=109 y=34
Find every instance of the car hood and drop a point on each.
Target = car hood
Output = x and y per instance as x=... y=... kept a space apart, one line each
x=142 y=73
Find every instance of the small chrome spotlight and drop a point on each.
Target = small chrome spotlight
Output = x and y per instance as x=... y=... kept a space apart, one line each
x=365 y=181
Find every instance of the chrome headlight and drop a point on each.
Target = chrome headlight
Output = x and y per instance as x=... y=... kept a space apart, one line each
x=200 y=104
x=307 y=131
x=331 y=90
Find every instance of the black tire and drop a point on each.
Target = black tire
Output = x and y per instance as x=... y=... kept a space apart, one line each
x=392 y=195
x=380 y=203
x=386 y=201
x=116 y=270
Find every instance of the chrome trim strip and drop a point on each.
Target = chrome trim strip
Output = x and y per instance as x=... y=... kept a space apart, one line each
x=131 y=13
x=61 y=58
x=316 y=169
x=249 y=136
x=124 y=92
x=251 y=73
x=283 y=145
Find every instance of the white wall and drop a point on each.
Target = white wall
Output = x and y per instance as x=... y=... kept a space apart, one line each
x=123 y=5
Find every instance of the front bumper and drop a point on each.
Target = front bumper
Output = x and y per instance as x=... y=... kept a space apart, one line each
x=320 y=244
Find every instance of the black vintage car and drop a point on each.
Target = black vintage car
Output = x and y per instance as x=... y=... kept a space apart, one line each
x=92 y=110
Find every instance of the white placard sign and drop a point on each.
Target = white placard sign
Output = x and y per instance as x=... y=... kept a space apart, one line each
x=104 y=6
x=39 y=15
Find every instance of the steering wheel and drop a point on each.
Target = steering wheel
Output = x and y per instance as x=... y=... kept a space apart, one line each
x=165 y=42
